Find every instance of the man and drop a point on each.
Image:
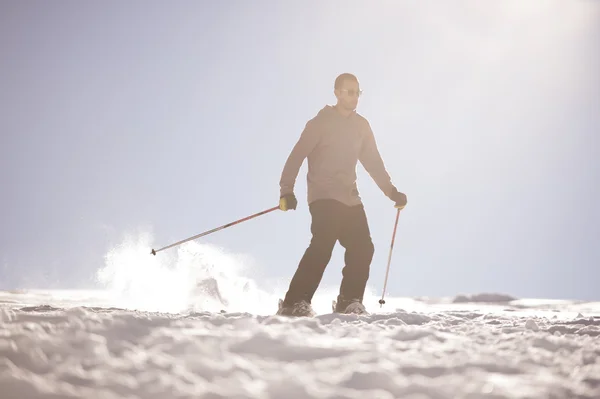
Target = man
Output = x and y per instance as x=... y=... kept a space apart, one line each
x=333 y=142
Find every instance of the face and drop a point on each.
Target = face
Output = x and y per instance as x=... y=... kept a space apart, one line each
x=348 y=94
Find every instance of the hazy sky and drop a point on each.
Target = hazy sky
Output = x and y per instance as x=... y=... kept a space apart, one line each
x=175 y=118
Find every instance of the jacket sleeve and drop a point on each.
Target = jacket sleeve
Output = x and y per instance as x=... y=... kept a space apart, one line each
x=370 y=158
x=307 y=142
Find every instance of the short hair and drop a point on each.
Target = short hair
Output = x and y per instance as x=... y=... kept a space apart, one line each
x=343 y=77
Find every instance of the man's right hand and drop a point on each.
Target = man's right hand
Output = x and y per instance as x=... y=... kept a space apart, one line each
x=288 y=202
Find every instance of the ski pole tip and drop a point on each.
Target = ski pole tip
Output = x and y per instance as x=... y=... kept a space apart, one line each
x=381 y=302
x=153 y=252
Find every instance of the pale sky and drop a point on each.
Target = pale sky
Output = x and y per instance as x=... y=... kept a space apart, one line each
x=177 y=117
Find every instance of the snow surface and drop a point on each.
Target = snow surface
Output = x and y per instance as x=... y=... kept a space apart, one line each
x=151 y=334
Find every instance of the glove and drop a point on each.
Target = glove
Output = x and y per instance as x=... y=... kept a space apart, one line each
x=399 y=199
x=288 y=202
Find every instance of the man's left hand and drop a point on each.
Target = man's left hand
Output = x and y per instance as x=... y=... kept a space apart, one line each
x=399 y=199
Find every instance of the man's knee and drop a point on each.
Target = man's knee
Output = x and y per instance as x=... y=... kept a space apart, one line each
x=369 y=251
x=360 y=254
x=369 y=248
x=321 y=246
x=366 y=250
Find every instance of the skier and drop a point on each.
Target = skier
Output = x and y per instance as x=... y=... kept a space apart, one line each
x=333 y=142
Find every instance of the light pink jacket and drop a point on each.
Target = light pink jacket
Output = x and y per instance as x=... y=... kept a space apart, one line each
x=333 y=145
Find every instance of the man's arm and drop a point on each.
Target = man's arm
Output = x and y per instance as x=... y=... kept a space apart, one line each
x=371 y=159
x=308 y=140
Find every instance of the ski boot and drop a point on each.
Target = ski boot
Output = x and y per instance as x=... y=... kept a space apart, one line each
x=299 y=309
x=349 y=306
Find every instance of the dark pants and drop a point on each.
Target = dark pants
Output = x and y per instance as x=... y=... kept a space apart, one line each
x=333 y=221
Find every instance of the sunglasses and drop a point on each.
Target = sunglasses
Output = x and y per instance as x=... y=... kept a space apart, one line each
x=352 y=92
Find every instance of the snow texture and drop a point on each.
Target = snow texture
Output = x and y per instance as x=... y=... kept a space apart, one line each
x=189 y=325
x=52 y=347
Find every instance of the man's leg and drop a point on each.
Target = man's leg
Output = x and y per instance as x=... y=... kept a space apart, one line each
x=326 y=217
x=355 y=237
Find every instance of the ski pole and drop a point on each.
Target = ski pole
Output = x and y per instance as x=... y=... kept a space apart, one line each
x=153 y=252
x=382 y=301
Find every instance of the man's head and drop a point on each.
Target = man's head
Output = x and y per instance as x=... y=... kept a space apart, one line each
x=347 y=91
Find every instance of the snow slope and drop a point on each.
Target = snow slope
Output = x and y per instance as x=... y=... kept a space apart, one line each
x=61 y=345
x=157 y=331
